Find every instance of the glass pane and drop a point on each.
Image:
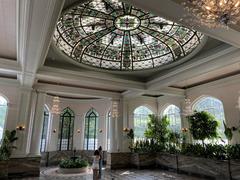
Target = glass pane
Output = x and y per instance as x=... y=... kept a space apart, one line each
x=173 y=114
x=3 y=112
x=141 y=119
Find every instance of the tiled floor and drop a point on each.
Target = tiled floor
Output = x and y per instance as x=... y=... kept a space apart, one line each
x=51 y=174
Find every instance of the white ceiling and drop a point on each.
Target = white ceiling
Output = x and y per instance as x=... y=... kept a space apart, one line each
x=216 y=59
x=8 y=29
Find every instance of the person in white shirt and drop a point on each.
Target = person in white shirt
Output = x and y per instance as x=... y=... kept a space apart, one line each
x=95 y=165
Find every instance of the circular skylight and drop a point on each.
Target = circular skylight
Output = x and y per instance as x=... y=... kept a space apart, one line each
x=113 y=35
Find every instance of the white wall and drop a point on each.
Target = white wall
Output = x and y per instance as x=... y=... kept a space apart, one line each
x=80 y=108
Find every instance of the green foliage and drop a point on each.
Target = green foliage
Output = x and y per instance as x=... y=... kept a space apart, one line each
x=203 y=126
x=130 y=134
x=228 y=132
x=69 y=163
x=234 y=151
x=147 y=146
x=174 y=137
x=158 y=129
x=212 y=151
x=7 y=146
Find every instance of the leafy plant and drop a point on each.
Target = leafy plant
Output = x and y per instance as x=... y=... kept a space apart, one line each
x=130 y=135
x=234 y=151
x=158 y=129
x=7 y=146
x=69 y=163
x=203 y=126
x=228 y=132
x=147 y=146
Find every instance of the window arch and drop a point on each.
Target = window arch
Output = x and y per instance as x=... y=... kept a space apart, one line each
x=90 y=133
x=141 y=119
x=173 y=114
x=44 y=130
x=215 y=107
x=65 y=139
x=3 y=113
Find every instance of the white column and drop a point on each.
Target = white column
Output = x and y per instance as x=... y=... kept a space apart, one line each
x=116 y=126
x=37 y=125
x=53 y=132
x=24 y=110
x=77 y=132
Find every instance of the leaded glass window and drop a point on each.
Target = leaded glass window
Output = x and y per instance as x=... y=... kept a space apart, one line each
x=65 y=140
x=141 y=118
x=3 y=113
x=110 y=34
x=44 y=130
x=91 y=130
x=215 y=107
x=173 y=114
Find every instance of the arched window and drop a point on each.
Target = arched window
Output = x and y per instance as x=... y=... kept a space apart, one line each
x=215 y=107
x=90 y=133
x=173 y=114
x=66 y=127
x=3 y=113
x=44 y=130
x=108 y=129
x=141 y=119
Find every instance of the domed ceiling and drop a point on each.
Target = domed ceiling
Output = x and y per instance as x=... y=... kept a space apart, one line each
x=112 y=35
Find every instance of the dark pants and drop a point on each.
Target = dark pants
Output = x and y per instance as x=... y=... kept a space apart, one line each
x=100 y=168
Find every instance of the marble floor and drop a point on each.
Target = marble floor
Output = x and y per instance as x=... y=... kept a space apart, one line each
x=51 y=174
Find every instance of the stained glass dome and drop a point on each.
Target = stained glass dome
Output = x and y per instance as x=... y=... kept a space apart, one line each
x=113 y=35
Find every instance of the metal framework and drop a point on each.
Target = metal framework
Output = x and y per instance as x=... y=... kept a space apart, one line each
x=91 y=130
x=66 y=128
x=109 y=34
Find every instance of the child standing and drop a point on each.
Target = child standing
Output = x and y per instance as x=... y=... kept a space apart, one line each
x=95 y=165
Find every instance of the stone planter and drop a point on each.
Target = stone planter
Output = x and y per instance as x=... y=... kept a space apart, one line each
x=118 y=160
x=73 y=170
x=204 y=167
x=3 y=169
x=143 y=160
x=166 y=161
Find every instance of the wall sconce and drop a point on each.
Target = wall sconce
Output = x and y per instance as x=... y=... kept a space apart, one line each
x=100 y=130
x=78 y=131
x=20 y=128
x=184 y=130
x=126 y=129
x=54 y=131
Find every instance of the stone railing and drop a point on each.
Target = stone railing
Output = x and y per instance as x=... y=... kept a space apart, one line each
x=209 y=168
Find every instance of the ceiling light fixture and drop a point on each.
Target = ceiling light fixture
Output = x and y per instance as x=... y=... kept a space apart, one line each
x=55 y=105
x=214 y=13
x=187 y=111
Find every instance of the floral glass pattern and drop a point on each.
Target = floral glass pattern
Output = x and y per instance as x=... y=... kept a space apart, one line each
x=110 y=34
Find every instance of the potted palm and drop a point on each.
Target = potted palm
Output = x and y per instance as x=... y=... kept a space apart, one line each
x=6 y=149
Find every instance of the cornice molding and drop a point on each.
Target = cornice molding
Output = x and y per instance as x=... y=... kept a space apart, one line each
x=208 y=62
x=84 y=78
x=74 y=91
